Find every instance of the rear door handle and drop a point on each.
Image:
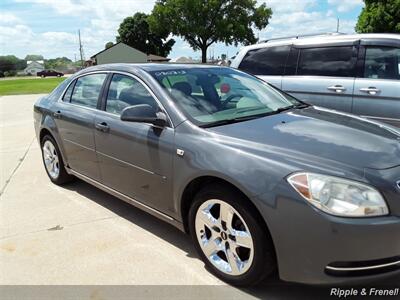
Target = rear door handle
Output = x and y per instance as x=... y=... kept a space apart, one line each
x=337 y=88
x=370 y=90
x=103 y=127
x=57 y=114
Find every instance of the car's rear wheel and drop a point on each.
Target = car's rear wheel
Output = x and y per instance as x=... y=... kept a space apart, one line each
x=43 y=76
x=53 y=162
x=229 y=237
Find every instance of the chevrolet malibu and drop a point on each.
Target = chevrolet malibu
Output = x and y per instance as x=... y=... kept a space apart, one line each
x=263 y=183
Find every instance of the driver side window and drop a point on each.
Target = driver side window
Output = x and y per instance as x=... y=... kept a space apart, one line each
x=126 y=91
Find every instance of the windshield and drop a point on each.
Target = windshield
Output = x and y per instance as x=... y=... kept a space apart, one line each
x=214 y=95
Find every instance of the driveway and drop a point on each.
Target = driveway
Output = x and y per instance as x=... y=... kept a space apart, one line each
x=79 y=235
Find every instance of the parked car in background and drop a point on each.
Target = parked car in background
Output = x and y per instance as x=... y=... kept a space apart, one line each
x=351 y=73
x=261 y=181
x=47 y=73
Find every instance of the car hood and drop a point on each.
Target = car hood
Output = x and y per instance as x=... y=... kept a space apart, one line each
x=318 y=134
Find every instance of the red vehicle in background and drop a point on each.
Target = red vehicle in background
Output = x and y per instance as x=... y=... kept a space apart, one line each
x=46 y=73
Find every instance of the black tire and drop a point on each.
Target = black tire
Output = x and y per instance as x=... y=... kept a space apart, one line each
x=63 y=177
x=264 y=261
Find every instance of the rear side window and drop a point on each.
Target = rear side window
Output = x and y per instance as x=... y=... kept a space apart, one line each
x=327 y=61
x=87 y=90
x=68 y=93
x=382 y=63
x=126 y=91
x=265 y=61
x=57 y=92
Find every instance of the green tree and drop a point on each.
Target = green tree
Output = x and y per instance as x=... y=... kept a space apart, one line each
x=58 y=63
x=34 y=57
x=135 y=32
x=108 y=45
x=11 y=63
x=379 y=16
x=204 y=22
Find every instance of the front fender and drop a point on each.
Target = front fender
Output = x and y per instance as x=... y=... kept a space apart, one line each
x=203 y=156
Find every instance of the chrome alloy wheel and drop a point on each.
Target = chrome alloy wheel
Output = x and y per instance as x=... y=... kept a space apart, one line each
x=51 y=159
x=224 y=237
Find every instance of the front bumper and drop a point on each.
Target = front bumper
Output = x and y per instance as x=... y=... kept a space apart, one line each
x=316 y=248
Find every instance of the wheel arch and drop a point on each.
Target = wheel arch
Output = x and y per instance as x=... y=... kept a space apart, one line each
x=47 y=131
x=196 y=184
x=43 y=133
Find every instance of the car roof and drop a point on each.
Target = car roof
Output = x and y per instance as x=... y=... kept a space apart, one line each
x=323 y=39
x=148 y=67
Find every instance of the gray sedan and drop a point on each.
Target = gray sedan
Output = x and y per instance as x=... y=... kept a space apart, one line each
x=263 y=182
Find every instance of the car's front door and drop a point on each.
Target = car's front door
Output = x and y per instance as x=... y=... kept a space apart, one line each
x=74 y=118
x=135 y=158
x=324 y=76
x=377 y=90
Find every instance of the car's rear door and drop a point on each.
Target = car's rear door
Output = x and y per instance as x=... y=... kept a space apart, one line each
x=135 y=158
x=267 y=63
x=322 y=74
x=377 y=88
x=74 y=117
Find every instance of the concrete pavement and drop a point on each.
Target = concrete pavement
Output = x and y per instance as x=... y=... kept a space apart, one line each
x=77 y=234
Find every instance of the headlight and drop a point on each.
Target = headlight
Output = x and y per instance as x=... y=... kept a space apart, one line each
x=340 y=197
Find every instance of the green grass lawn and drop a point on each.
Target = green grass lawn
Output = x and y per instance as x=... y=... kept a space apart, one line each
x=28 y=86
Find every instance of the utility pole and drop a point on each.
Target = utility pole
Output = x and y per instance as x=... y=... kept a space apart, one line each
x=337 y=25
x=80 y=47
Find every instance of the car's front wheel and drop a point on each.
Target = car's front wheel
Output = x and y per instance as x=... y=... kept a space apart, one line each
x=229 y=237
x=53 y=162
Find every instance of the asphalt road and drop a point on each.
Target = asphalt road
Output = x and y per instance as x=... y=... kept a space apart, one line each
x=79 y=235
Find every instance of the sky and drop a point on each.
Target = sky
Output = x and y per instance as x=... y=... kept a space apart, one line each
x=49 y=27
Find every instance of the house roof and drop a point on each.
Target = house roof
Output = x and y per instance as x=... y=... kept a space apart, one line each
x=150 y=57
x=35 y=61
x=94 y=55
x=153 y=57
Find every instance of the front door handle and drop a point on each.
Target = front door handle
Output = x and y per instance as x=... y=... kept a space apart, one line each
x=370 y=90
x=337 y=88
x=57 y=114
x=103 y=127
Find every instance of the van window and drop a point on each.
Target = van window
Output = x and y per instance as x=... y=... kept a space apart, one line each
x=291 y=63
x=327 y=61
x=382 y=63
x=265 y=61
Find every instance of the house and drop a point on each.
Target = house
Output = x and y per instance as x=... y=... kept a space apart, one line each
x=33 y=67
x=122 y=53
x=156 y=58
x=185 y=60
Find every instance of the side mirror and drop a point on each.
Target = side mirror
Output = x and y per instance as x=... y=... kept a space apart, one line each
x=144 y=113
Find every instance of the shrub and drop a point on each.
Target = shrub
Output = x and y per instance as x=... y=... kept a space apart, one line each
x=10 y=73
